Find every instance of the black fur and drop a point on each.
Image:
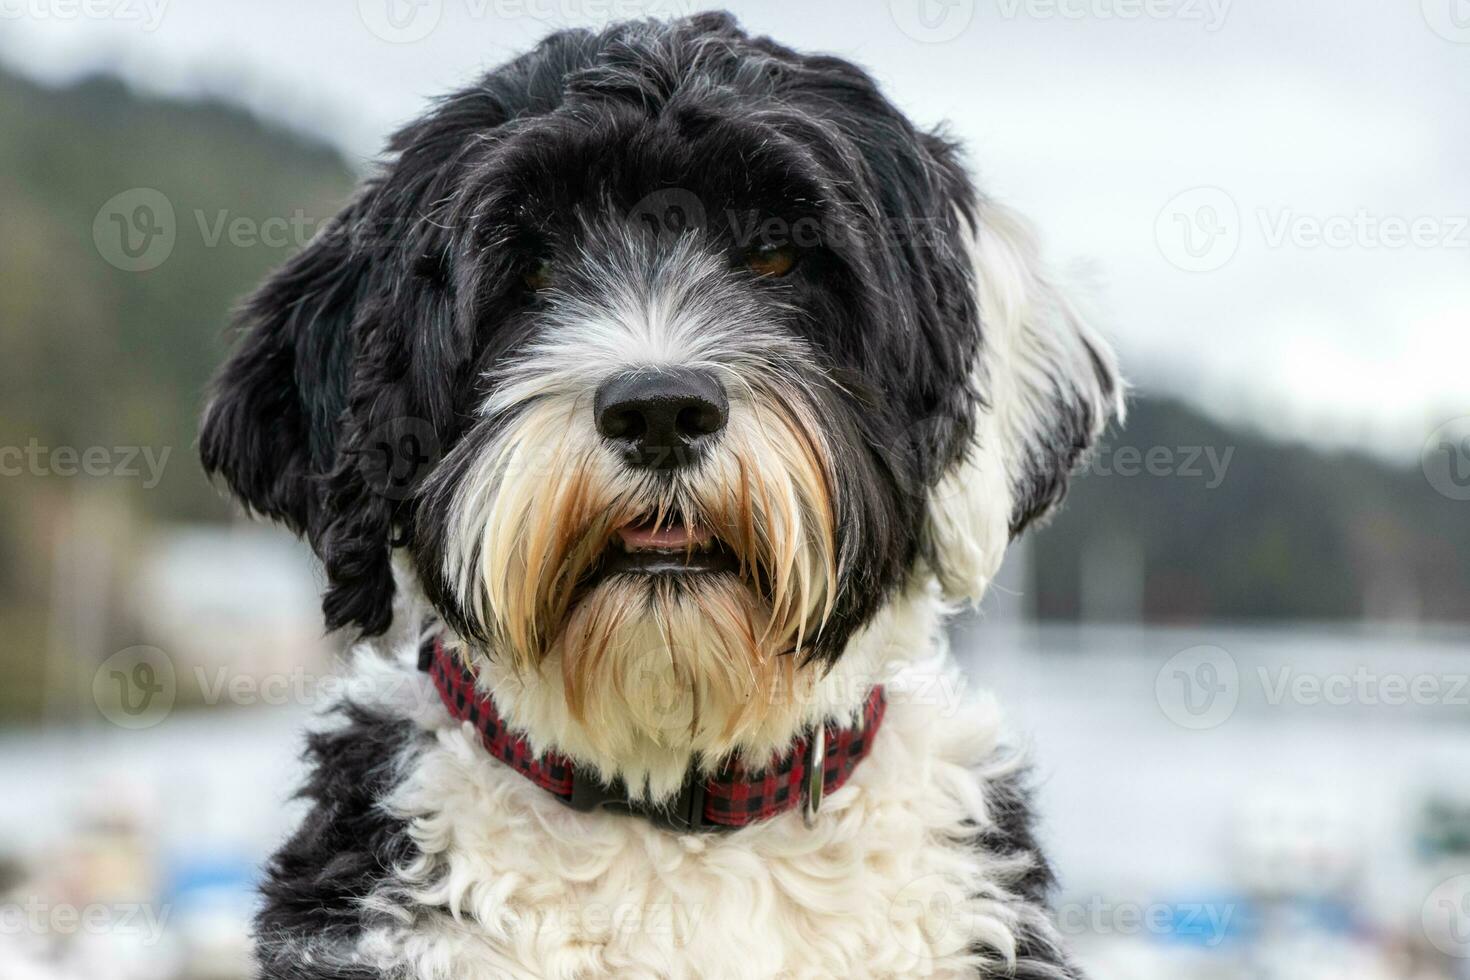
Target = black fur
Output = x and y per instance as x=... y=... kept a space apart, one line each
x=344 y=850
x=1041 y=484
x=1012 y=833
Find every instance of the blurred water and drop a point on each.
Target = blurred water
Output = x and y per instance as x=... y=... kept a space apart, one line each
x=1117 y=770
x=1310 y=794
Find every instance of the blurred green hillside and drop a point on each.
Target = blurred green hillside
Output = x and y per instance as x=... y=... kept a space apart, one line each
x=1229 y=524
x=98 y=358
x=92 y=354
x=114 y=362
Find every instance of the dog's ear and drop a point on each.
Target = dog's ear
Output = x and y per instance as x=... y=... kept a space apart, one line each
x=339 y=397
x=271 y=427
x=280 y=415
x=1048 y=386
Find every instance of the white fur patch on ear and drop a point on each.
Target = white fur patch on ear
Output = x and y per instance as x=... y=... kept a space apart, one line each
x=1048 y=386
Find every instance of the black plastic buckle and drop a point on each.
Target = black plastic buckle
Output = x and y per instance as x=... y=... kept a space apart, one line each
x=683 y=815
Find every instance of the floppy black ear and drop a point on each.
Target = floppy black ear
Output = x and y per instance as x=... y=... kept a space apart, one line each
x=280 y=416
x=339 y=397
x=270 y=429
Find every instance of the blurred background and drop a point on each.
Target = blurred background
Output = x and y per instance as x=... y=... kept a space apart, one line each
x=1240 y=655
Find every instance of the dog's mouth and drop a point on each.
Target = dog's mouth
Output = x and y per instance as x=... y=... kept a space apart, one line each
x=672 y=546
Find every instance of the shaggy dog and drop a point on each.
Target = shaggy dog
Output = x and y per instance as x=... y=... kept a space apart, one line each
x=648 y=412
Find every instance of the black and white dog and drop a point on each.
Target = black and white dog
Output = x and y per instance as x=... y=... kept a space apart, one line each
x=648 y=412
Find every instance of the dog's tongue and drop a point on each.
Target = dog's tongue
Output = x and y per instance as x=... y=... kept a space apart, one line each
x=674 y=537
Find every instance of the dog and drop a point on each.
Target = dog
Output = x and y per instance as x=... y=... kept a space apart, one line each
x=649 y=411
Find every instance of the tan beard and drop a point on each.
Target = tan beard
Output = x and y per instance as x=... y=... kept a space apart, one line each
x=697 y=660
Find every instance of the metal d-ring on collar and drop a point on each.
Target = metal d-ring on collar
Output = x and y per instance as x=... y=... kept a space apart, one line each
x=816 y=775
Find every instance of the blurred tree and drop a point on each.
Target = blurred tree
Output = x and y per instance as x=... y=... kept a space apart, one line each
x=1235 y=525
x=95 y=357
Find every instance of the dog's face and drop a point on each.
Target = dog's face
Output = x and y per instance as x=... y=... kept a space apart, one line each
x=661 y=352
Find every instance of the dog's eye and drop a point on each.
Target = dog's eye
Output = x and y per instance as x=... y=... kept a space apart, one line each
x=771 y=260
x=539 y=275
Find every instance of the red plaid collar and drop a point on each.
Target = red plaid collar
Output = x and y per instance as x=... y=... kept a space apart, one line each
x=733 y=797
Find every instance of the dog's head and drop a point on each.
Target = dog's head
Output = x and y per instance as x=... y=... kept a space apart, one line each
x=663 y=350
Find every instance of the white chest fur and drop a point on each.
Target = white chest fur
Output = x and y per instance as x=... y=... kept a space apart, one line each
x=889 y=883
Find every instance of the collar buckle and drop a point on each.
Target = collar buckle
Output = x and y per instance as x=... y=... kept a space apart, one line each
x=682 y=815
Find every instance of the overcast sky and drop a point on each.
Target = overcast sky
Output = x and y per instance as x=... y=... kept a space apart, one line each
x=1273 y=196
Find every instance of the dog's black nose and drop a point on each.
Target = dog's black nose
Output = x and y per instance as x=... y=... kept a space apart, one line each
x=661 y=418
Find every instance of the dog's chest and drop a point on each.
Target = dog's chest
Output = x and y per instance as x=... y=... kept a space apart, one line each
x=508 y=883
